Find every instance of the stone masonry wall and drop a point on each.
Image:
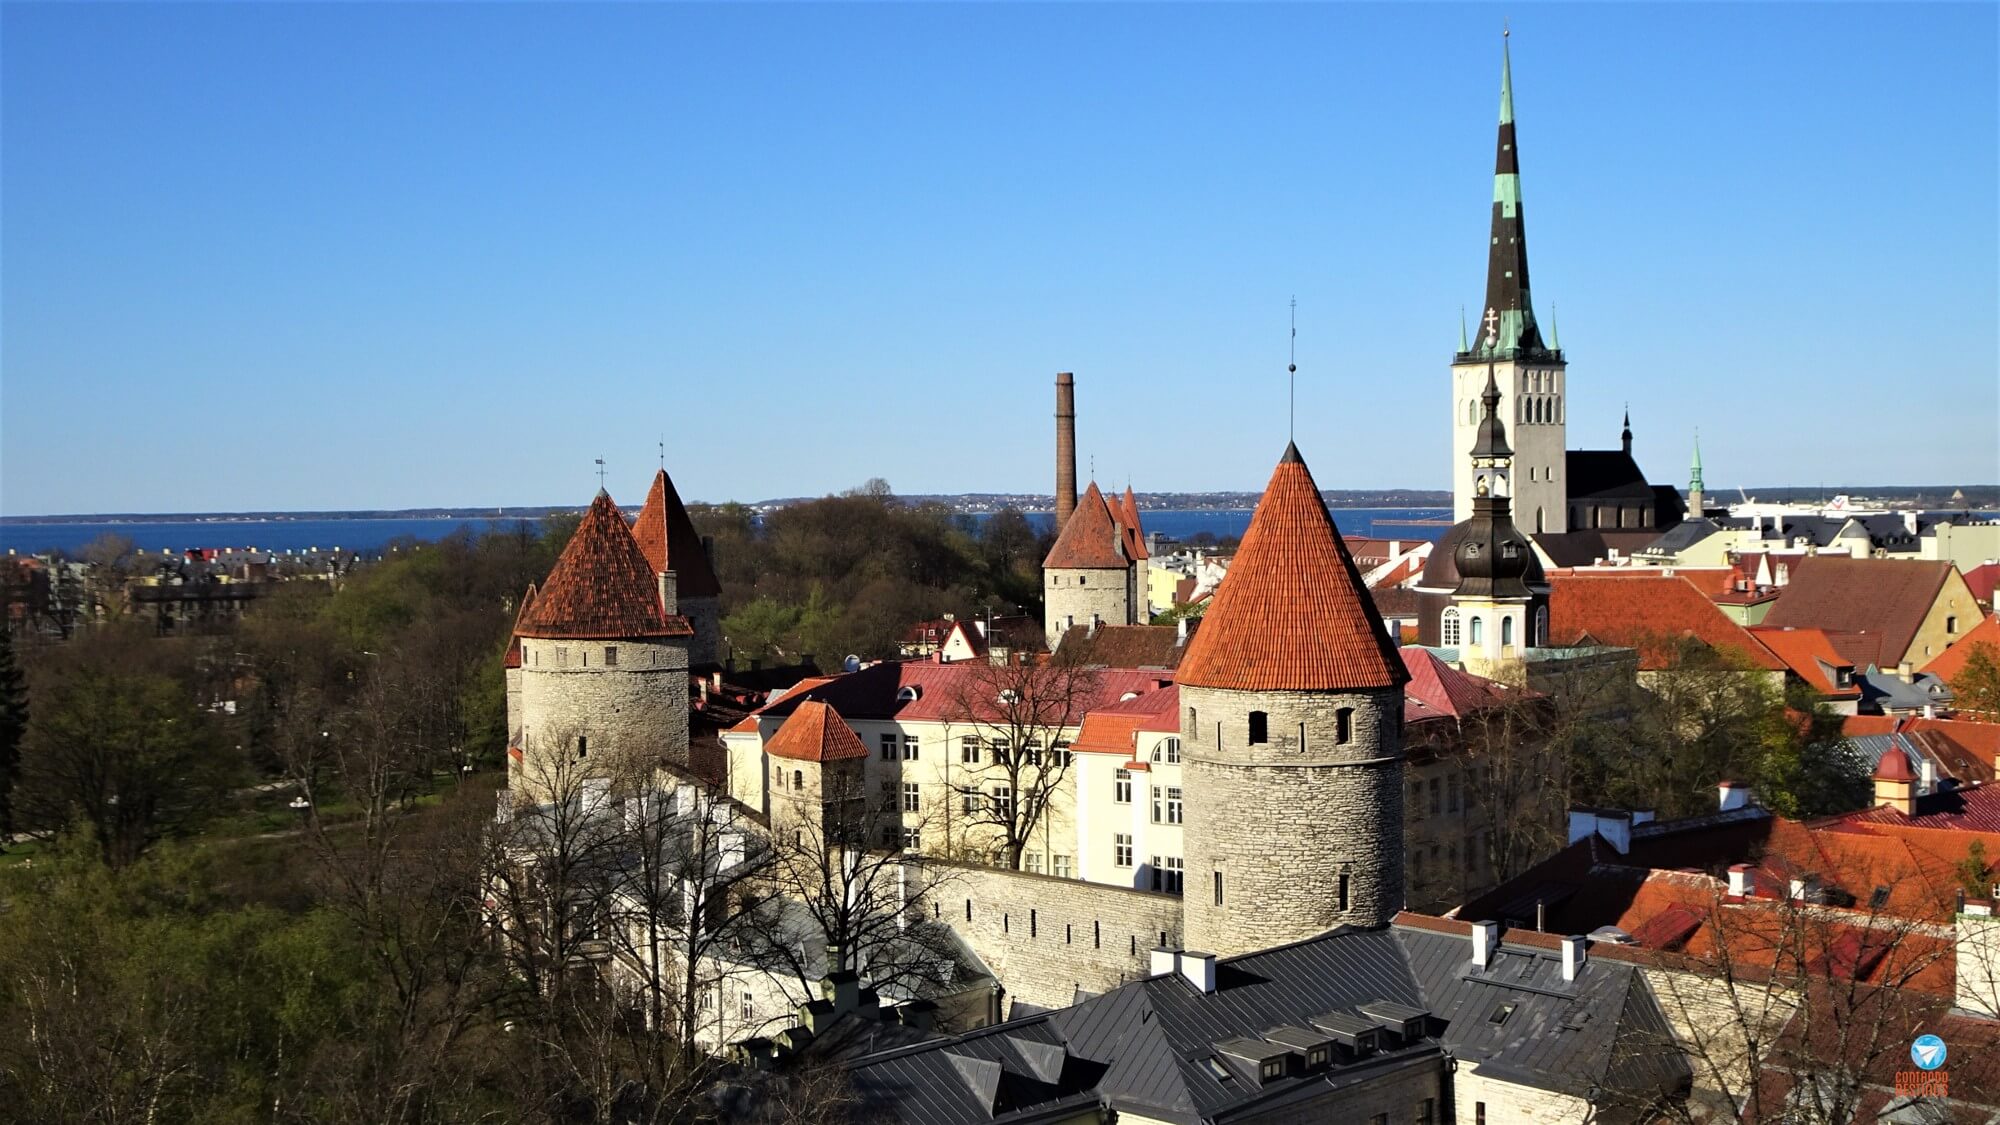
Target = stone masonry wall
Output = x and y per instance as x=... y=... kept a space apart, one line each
x=1283 y=821
x=1046 y=937
x=1080 y=593
x=705 y=614
x=638 y=706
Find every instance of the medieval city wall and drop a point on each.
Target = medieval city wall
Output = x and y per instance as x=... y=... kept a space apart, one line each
x=1045 y=937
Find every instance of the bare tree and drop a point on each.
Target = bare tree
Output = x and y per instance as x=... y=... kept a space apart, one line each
x=1790 y=1010
x=864 y=906
x=1018 y=716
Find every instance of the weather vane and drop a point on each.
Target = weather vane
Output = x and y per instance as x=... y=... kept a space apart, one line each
x=600 y=474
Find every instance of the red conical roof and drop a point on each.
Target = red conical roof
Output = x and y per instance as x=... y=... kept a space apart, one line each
x=1091 y=540
x=602 y=588
x=1135 y=544
x=815 y=733
x=1291 y=613
x=667 y=536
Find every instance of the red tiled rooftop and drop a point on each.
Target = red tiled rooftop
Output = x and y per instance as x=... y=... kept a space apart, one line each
x=1438 y=690
x=1886 y=597
x=1092 y=539
x=1948 y=664
x=815 y=732
x=1805 y=652
x=602 y=588
x=1291 y=614
x=668 y=538
x=1974 y=808
x=1981 y=580
x=1128 y=520
x=1647 y=613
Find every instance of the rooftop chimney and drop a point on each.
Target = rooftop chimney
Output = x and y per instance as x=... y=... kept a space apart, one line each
x=1742 y=883
x=1065 y=448
x=1164 y=962
x=1734 y=795
x=1485 y=942
x=1573 y=955
x=1199 y=969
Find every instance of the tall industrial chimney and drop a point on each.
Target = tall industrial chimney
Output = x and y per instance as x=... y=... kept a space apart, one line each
x=1065 y=447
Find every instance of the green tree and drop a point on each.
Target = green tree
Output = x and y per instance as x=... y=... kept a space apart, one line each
x=1976 y=688
x=759 y=627
x=1975 y=874
x=1805 y=766
x=13 y=724
x=127 y=753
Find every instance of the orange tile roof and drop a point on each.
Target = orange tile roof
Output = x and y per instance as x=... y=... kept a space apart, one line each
x=1292 y=614
x=1949 y=663
x=1803 y=651
x=1644 y=612
x=667 y=536
x=1128 y=517
x=602 y=588
x=1093 y=539
x=815 y=732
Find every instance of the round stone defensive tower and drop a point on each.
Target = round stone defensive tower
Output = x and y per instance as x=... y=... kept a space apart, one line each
x=1093 y=569
x=681 y=566
x=1291 y=738
x=603 y=668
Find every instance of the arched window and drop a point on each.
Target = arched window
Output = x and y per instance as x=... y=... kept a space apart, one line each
x=1506 y=632
x=1473 y=633
x=1541 y=520
x=798 y=779
x=1541 y=636
x=777 y=777
x=1191 y=719
x=1343 y=725
x=1260 y=725
x=1448 y=629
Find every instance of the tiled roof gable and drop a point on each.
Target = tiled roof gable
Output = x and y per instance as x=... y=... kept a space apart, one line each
x=1092 y=539
x=602 y=587
x=815 y=732
x=1292 y=614
x=668 y=538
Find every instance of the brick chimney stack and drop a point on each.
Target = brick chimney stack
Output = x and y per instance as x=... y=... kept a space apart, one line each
x=1065 y=448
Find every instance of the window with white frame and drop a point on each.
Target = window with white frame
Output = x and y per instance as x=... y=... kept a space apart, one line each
x=1001 y=748
x=1168 y=750
x=1448 y=629
x=1121 y=849
x=913 y=840
x=1003 y=803
x=1167 y=873
x=1059 y=866
x=968 y=750
x=1173 y=804
x=971 y=802
x=1031 y=862
x=1059 y=754
x=909 y=747
x=749 y=1007
x=913 y=797
x=1031 y=752
x=1121 y=787
x=889 y=744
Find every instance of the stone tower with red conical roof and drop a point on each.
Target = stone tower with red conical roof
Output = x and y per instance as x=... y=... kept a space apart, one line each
x=603 y=666
x=679 y=558
x=1094 y=569
x=1291 y=738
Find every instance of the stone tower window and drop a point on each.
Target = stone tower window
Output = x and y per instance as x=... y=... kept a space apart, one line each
x=1079 y=580
x=1260 y=728
x=611 y=656
x=582 y=746
x=1343 y=725
x=1218 y=888
x=798 y=779
x=1343 y=890
x=1191 y=719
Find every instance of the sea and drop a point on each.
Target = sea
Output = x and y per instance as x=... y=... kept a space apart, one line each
x=375 y=536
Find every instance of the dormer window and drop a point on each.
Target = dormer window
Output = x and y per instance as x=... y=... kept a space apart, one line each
x=1500 y=1014
x=1275 y=1068
x=910 y=693
x=1509 y=551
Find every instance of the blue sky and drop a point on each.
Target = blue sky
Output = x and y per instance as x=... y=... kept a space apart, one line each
x=377 y=255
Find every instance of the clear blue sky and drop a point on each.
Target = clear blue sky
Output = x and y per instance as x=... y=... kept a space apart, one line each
x=331 y=256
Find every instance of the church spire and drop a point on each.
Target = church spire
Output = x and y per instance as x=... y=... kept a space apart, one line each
x=1507 y=323
x=1626 y=436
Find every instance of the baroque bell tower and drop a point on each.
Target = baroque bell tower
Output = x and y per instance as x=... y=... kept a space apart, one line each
x=1529 y=372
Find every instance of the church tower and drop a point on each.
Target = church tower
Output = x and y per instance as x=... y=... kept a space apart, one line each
x=1488 y=617
x=1291 y=738
x=1528 y=372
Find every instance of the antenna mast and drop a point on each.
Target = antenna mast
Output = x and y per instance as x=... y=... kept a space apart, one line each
x=1292 y=378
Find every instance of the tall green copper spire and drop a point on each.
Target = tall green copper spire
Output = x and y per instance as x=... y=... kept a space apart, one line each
x=1694 y=475
x=1461 y=330
x=1507 y=326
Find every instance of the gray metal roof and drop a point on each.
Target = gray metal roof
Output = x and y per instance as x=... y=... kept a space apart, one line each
x=1161 y=1048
